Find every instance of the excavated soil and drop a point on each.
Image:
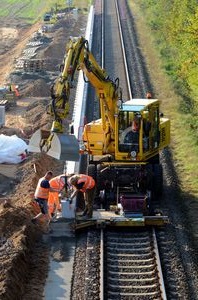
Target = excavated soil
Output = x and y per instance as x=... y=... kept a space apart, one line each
x=23 y=256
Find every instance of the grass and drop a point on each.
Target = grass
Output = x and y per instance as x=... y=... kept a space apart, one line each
x=184 y=145
x=32 y=11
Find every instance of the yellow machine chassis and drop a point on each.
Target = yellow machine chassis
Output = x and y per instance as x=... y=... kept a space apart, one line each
x=102 y=219
x=123 y=222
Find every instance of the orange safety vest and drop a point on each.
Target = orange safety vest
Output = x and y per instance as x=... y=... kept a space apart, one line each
x=58 y=183
x=16 y=91
x=89 y=182
x=41 y=192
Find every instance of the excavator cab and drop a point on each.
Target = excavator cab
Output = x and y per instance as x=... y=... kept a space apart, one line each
x=141 y=132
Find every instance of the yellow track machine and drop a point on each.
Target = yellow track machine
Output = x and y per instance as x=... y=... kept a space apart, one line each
x=122 y=146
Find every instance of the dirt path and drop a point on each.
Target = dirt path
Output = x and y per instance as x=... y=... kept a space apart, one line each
x=15 y=41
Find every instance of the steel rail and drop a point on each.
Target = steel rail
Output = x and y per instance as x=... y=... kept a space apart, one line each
x=115 y=62
x=123 y=52
x=103 y=35
x=161 y=279
x=101 y=264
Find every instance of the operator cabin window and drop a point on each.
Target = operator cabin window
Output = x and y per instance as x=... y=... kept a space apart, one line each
x=154 y=135
x=146 y=130
x=128 y=139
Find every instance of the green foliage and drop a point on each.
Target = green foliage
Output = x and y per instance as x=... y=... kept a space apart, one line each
x=31 y=11
x=175 y=25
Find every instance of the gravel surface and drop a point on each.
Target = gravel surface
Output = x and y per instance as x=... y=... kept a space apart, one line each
x=179 y=256
x=86 y=279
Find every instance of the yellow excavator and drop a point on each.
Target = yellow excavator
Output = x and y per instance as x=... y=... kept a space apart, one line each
x=122 y=146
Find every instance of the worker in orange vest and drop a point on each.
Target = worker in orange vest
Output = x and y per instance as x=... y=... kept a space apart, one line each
x=15 y=89
x=85 y=184
x=59 y=183
x=41 y=196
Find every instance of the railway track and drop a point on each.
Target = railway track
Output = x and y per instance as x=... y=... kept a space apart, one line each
x=129 y=262
x=116 y=48
x=132 y=266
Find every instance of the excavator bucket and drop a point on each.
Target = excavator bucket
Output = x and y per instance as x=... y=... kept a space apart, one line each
x=59 y=146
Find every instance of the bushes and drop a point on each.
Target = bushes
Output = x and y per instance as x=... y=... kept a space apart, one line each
x=175 y=25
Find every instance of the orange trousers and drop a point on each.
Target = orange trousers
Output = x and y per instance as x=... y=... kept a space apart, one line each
x=53 y=202
x=58 y=183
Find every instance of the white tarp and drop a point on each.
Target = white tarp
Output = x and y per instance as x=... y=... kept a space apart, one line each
x=12 y=149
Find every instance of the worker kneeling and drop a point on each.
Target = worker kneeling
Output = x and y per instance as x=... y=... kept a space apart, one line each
x=85 y=184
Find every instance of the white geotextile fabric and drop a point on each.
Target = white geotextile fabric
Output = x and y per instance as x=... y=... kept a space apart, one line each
x=12 y=149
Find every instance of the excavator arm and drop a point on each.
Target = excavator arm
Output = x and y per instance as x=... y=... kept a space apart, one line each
x=56 y=142
x=60 y=91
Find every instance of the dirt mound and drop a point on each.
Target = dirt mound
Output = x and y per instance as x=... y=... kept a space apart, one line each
x=56 y=53
x=17 y=235
x=29 y=173
x=12 y=131
x=6 y=184
x=37 y=88
x=36 y=115
x=33 y=117
x=15 y=247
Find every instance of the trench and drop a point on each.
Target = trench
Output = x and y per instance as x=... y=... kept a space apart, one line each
x=61 y=244
x=62 y=241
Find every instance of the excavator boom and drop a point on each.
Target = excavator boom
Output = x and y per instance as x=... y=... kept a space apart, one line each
x=56 y=142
